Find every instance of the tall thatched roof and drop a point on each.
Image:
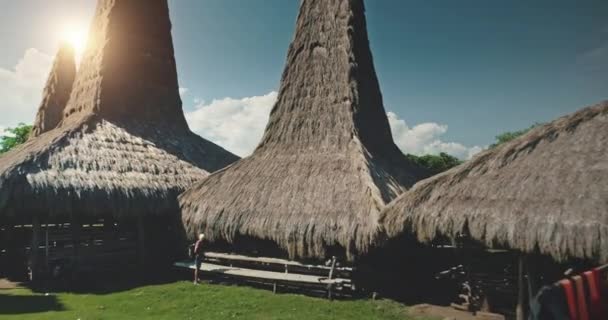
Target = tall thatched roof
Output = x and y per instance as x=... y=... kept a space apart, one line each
x=56 y=92
x=123 y=146
x=546 y=190
x=327 y=163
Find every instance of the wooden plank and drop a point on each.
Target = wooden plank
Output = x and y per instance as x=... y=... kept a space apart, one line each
x=519 y=311
x=75 y=228
x=34 y=267
x=265 y=275
x=331 y=276
x=46 y=246
x=276 y=261
x=333 y=267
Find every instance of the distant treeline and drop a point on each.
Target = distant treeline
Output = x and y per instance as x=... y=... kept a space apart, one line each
x=435 y=163
x=13 y=137
x=510 y=135
x=443 y=161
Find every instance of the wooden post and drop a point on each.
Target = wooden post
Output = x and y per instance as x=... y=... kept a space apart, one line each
x=141 y=243
x=12 y=246
x=533 y=278
x=75 y=228
x=333 y=267
x=519 y=311
x=108 y=231
x=331 y=276
x=46 y=246
x=34 y=248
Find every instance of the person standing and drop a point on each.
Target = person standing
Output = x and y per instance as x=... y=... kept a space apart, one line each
x=199 y=254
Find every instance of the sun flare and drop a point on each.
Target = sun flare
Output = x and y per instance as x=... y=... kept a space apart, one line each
x=76 y=37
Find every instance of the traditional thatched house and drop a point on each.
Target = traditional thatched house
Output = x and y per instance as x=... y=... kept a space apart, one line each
x=123 y=149
x=545 y=192
x=327 y=162
x=56 y=92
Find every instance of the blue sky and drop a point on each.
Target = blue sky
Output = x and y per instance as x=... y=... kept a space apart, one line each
x=453 y=73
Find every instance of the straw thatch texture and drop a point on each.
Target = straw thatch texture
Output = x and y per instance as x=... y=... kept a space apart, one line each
x=123 y=147
x=129 y=69
x=101 y=167
x=327 y=163
x=547 y=190
x=56 y=92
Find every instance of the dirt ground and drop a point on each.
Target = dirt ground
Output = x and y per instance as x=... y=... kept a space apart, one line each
x=449 y=313
x=6 y=284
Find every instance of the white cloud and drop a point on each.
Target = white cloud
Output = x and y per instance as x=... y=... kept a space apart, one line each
x=238 y=125
x=425 y=138
x=21 y=88
x=235 y=124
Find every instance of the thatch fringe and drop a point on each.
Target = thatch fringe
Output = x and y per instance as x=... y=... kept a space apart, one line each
x=545 y=191
x=123 y=146
x=327 y=163
x=98 y=167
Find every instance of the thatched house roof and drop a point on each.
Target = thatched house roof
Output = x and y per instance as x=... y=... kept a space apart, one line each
x=56 y=92
x=123 y=146
x=327 y=162
x=547 y=190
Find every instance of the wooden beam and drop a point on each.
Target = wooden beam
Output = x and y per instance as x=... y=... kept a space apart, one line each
x=533 y=277
x=270 y=276
x=11 y=242
x=275 y=261
x=331 y=276
x=519 y=311
x=75 y=228
x=33 y=263
x=46 y=246
x=109 y=236
x=333 y=267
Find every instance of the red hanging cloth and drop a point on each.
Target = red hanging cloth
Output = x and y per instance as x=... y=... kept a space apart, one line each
x=570 y=298
x=581 y=298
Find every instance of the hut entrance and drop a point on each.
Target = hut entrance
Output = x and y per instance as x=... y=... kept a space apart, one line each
x=462 y=275
x=58 y=250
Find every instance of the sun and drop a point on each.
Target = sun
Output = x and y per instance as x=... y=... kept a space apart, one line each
x=76 y=37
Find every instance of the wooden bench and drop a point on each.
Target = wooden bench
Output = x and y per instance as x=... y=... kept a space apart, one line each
x=278 y=265
x=278 y=272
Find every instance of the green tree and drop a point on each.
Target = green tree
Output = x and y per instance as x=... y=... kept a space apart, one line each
x=510 y=135
x=435 y=163
x=13 y=137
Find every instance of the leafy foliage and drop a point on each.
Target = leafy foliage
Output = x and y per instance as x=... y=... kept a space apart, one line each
x=510 y=135
x=14 y=137
x=435 y=163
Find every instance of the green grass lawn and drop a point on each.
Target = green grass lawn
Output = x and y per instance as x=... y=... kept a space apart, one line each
x=183 y=300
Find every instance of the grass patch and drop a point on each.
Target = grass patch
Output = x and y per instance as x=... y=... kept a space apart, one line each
x=182 y=300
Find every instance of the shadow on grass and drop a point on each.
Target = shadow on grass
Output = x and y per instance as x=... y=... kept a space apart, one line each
x=15 y=304
x=101 y=283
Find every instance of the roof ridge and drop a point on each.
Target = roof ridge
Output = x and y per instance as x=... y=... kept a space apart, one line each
x=128 y=69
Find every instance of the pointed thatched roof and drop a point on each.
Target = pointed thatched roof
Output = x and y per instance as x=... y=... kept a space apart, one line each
x=546 y=190
x=56 y=92
x=123 y=146
x=327 y=163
